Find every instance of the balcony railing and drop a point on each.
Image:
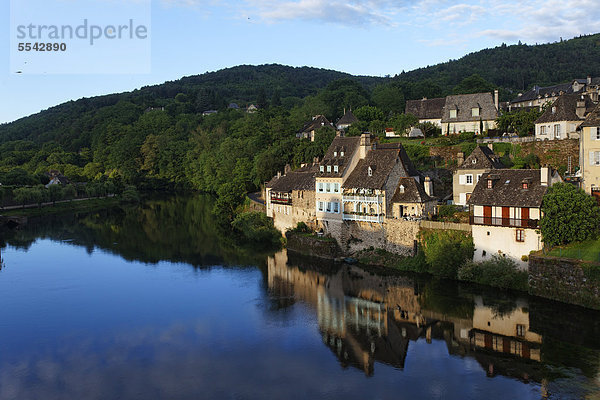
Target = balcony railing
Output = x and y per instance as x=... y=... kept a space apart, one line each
x=363 y=218
x=281 y=200
x=363 y=199
x=498 y=221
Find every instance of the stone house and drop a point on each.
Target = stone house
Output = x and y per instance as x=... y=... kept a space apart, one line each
x=464 y=179
x=538 y=96
x=505 y=212
x=589 y=157
x=339 y=161
x=347 y=119
x=309 y=129
x=470 y=113
x=290 y=198
x=562 y=119
x=413 y=200
x=367 y=193
x=427 y=110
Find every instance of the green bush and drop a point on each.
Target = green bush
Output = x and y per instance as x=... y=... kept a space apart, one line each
x=446 y=251
x=301 y=227
x=257 y=228
x=130 y=194
x=498 y=271
x=447 y=212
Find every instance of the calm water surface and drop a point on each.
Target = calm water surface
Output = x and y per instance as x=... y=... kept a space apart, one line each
x=155 y=302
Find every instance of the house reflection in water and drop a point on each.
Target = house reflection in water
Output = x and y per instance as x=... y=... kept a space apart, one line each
x=365 y=318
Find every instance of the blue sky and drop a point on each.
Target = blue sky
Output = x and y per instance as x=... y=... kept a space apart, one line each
x=367 y=37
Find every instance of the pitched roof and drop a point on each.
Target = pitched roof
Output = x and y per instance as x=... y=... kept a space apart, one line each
x=464 y=103
x=410 y=191
x=593 y=118
x=426 y=108
x=565 y=109
x=316 y=123
x=347 y=119
x=340 y=145
x=300 y=179
x=507 y=189
x=409 y=167
x=547 y=91
x=482 y=158
x=381 y=160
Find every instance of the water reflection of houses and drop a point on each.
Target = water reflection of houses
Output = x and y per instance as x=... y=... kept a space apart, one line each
x=365 y=318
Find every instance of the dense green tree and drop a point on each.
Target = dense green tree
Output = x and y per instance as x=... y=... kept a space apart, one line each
x=473 y=84
x=569 y=215
x=368 y=113
x=389 y=98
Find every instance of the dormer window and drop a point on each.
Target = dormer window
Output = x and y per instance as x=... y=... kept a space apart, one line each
x=322 y=168
x=490 y=183
x=553 y=110
x=370 y=171
x=453 y=113
x=474 y=161
x=336 y=169
x=401 y=188
x=342 y=153
x=329 y=168
x=335 y=153
x=475 y=112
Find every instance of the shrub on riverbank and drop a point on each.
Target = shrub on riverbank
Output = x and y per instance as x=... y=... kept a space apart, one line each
x=499 y=271
x=257 y=228
x=446 y=251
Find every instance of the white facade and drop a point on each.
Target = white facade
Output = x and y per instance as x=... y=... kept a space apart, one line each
x=557 y=130
x=589 y=159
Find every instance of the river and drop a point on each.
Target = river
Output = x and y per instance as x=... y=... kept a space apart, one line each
x=154 y=301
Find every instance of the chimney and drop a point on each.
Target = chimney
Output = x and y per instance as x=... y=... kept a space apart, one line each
x=365 y=145
x=428 y=186
x=460 y=158
x=580 y=110
x=278 y=174
x=545 y=175
x=496 y=99
x=589 y=80
x=287 y=169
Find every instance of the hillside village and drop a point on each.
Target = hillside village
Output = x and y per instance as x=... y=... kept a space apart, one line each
x=366 y=192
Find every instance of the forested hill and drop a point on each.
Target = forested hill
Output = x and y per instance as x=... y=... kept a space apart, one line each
x=243 y=84
x=517 y=67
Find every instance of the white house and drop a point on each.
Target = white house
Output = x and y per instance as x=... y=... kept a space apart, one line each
x=505 y=212
x=562 y=119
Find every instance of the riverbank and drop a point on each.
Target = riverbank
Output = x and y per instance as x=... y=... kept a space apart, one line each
x=86 y=204
x=564 y=280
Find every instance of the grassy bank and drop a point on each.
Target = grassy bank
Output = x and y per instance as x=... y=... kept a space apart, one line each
x=588 y=250
x=76 y=205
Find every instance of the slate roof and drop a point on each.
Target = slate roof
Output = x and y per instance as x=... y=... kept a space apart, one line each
x=482 y=158
x=413 y=192
x=347 y=119
x=300 y=179
x=463 y=103
x=348 y=146
x=507 y=190
x=317 y=122
x=593 y=118
x=547 y=91
x=565 y=107
x=426 y=108
x=382 y=160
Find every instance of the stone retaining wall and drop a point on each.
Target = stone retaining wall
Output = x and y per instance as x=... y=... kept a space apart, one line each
x=566 y=280
x=313 y=246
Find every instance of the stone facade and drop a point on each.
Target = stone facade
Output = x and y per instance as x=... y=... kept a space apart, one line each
x=564 y=280
x=395 y=236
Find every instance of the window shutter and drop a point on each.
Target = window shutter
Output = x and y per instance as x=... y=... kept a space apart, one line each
x=594 y=132
x=462 y=179
x=591 y=158
x=462 y=198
